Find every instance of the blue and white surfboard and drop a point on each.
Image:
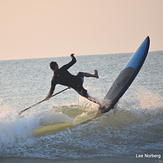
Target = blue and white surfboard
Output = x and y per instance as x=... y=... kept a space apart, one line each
x=126 y=77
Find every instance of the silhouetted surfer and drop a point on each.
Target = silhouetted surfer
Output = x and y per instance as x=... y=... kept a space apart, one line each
x=64 y=77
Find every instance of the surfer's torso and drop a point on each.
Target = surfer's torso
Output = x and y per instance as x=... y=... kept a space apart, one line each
x=64 y=77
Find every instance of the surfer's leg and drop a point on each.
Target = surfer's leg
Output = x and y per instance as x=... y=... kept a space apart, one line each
x=92 y=99
x=95 y=75
x=83 y=92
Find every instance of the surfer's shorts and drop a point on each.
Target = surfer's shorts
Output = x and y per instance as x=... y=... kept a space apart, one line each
x=80 y=89
x=81 y=76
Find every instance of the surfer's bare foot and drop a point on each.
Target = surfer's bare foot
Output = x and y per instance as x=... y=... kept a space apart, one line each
x=96 y=74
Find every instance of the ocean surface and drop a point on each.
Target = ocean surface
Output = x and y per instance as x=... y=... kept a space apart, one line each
x=134 y=129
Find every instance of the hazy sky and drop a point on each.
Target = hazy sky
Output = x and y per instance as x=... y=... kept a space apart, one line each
x=51 y=28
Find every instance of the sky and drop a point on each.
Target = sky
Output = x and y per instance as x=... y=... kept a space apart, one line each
x=53 y=28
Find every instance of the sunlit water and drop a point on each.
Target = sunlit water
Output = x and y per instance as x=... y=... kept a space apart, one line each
x=135 y=126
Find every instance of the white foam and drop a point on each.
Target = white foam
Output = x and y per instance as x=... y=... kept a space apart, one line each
x=144 y=105
x=49 y=117
x=13 y=128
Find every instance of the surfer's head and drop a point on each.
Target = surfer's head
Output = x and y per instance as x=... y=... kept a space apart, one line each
x=53 y=66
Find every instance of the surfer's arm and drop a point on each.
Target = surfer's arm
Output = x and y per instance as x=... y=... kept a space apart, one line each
x=51 y=90
x=73 y=61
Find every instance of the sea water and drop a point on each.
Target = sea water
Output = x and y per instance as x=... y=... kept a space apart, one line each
x=134 y=129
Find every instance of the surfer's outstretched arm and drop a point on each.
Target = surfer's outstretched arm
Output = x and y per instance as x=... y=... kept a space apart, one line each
x=51 y=90
x=67 y=66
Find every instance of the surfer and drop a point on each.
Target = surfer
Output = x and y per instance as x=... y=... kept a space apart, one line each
x=64 y=77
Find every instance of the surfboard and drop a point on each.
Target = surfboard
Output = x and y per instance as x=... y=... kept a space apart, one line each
x=49 y=129
x=125 y=78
